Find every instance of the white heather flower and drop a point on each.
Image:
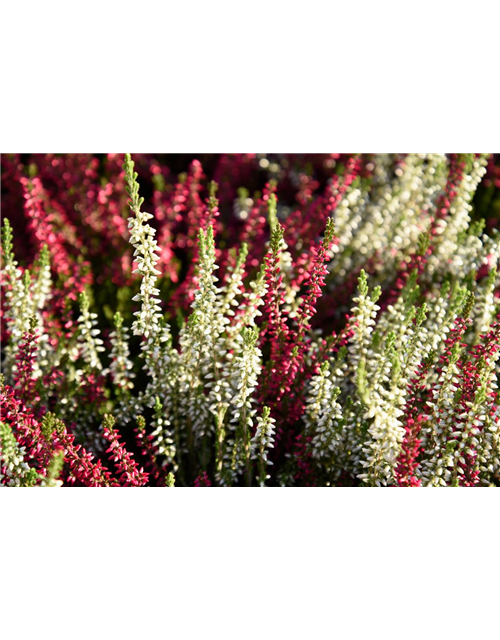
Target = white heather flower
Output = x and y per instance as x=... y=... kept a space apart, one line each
x=203 y=348
x=388 y=219
x=146 y=248
x=88 y=337
x=18 y=299
x=121 y=366
x=233 y=286
x=324 y=417
x=243 y=382
x=253 y=300
x=261 y=442
x=17 y=472
x=487 y=305
x=159 y=356
x=164 y=441
x=142 y=238
x=365 y=313
x=449 y=249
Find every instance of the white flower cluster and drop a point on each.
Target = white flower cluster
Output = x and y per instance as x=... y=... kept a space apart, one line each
x=243 y=382
x=203 y=349
x=387 y=347
x=163 y=437
x=387 y=219
x=262 y=442
x=17 y=472
x=489 y=447
x=195 y=384
x=42 y=286
x=253 y=300
x=142 y=238
x=487 y=305
x=121 y=367
x=324 y=417
x=234 y=280
x=161 y=361
x=88 y=337
x=448 y=247
x=25 y=297
x=149 y=319
x=18 y=319
x=385 y=437
x=364 y=313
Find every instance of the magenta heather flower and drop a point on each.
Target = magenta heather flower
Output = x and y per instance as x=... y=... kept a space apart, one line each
x=24 y=379
x=131 y=474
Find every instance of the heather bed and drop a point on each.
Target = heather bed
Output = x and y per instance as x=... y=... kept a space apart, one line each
x=246 y=320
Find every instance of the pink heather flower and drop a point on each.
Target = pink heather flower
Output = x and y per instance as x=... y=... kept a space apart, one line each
x=131 y=475
x=255 y=228
x=25 y=360
x=202 y=480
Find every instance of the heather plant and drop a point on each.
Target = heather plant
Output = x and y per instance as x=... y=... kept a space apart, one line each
x=254 y=320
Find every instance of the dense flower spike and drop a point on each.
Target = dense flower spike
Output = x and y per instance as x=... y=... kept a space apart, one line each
x=261 y=442
x=146 y=257
x=91 y=344
x=14 y=472
x=131 y=475
x=275 y=320
x=246 y=369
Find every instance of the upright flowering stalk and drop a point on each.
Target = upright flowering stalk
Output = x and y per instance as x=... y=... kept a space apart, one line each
x=249 y=309
x=324 y=416
x=121 y=366
x=291 y=368
x=148 y=448
x=444 y=421
x=146 y=248
x=233 y=282
x=263 y=441
x=25 y=364
x=385 y=431
x=131 y=475
x=316 y=280
x=487 y=304
x=18 y=300
x=41 y=294
x=244 y=382
x=364 y=314
x=277 y=327
x=88 y=337
x=162 y=438
x=203 y=347
x=160 y=360
x=379 y=394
